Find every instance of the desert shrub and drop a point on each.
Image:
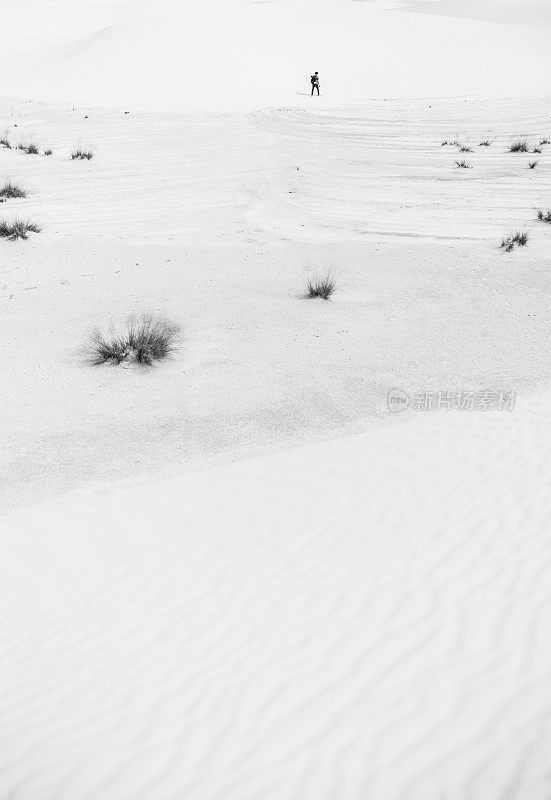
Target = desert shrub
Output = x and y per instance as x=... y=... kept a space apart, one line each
x=31 y=149
x=10 y=190
x=464 y=149
x=518 y=239
x=544 y=216
x=453 y=143
x=5 y=142
x=106 y=350
x=536 y=150
x=82 y=154
x=321 y=287
x=532 y=164
x=147 y=338
x=485 y=143
x=18 y=229
x=520 y=146
x=545 y=141
x=463 y=165
x=48 y=151
x=21 y=146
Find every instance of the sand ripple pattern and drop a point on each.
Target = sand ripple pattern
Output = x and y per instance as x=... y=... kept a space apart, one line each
x=365 y=619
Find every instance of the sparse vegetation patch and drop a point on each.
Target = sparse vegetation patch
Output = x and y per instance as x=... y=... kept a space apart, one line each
x=518 y=239
x=520 y=146
x=31 y=149
x=544 y=216
x=463 y=165
x=79 y=153
x=147 y=339
x=321 y=287
x=10 y=190
x=18 y=229
x=532 y=164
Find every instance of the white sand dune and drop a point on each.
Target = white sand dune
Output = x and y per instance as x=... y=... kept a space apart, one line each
x=224 y=55
x=502 y=12
x=237 y=575
x=209 y=221
x=366 y=618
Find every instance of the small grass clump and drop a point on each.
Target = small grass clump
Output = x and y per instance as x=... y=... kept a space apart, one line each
x=5 y=142
x=545 y=141
x=81 y=154
x=518 y=239
x=463 y=165
x=465 y=149
x=147 y=339
x=18 y=229
x=485 y=143
x=447 y=143
x=520 y=146
x=320 y=287
x=544 y=216
x=48 y=151
x=536 y=150
x=532 y=164
x=10 y=190
x=31 y=149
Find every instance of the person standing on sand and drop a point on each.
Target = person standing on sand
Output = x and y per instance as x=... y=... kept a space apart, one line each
x=315 y=81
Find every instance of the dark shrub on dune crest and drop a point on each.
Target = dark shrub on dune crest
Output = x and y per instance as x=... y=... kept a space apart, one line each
x=147 y=338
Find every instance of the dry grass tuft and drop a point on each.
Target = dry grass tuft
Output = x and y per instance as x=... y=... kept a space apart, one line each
x=18 y=229
x=147 y=339
x=518 y=239
x=321 y=287
x=520 y=146
x=544 y=216
x=10 y=190
x=81 y=154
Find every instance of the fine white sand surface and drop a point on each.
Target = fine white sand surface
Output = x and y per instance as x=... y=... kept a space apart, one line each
x=238 y=574
x=225 y=54
x=364 y=618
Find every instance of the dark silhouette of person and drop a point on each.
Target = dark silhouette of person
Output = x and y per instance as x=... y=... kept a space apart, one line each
x=315 y=81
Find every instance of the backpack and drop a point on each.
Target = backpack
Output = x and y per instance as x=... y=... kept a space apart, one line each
x=314 y=79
